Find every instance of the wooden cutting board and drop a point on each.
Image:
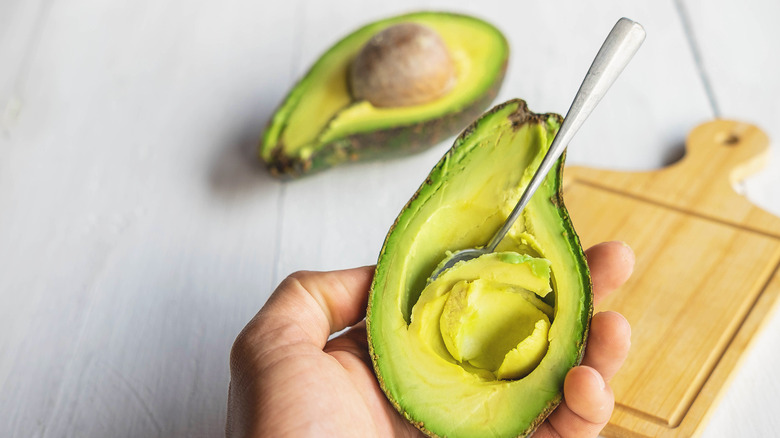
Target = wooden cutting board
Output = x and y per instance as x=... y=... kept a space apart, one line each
x=706 y=276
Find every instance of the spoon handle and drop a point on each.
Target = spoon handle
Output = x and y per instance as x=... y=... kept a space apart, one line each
x=618 y=49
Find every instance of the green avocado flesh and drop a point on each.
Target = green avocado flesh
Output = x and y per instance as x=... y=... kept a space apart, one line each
x=483 y=349
x=320 y=124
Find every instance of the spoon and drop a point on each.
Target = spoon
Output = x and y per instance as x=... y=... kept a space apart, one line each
x=618 y=49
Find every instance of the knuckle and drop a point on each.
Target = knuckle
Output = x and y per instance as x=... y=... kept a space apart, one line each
x=243 y=347
x=296 y=277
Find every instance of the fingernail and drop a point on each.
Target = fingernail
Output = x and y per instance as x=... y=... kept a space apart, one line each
x=625 y=322
x=628 y=247
x=597 y=378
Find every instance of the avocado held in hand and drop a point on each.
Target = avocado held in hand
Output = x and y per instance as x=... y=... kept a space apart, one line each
x=484 y=348
x=393 y=87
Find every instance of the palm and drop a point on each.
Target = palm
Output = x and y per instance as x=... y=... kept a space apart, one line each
x=351 y=353
x=335 y=390
x=288 y=379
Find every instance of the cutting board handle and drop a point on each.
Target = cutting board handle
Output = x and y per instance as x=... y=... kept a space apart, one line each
x=719 y=154
x=736 y=148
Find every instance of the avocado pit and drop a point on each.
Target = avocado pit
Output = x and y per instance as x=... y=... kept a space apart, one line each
x=403 y=65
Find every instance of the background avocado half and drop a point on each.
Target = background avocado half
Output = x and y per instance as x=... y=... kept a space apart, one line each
x=321 y=124
x=464 y=200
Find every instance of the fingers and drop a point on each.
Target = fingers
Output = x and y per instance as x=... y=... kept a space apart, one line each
x=608 y=343
x=587 y=406
x=611 y=263
x=588 y=399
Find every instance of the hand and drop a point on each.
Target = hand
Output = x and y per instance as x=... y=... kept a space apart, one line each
x=288 y=379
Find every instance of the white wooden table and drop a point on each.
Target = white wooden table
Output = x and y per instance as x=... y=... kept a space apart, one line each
x=138 y=234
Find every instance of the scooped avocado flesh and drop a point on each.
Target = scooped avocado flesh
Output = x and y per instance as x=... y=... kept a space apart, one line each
x=494 y=326
x=320 y=109
x=482 y=350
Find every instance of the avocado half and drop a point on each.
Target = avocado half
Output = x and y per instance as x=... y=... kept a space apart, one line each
x=483 y=350
x=319 y=124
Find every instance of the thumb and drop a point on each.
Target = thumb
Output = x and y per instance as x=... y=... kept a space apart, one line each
x=309 y=306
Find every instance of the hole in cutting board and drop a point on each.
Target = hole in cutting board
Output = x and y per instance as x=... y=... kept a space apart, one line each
x=727 y=138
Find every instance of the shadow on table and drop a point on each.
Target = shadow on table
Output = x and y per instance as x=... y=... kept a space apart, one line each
x=235 y=168
x=673 y=154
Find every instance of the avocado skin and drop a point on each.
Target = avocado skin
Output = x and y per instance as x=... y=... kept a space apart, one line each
x=392 y=142
x=519 y=117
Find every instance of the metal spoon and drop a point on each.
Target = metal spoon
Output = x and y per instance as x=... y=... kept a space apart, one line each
x=618 y=49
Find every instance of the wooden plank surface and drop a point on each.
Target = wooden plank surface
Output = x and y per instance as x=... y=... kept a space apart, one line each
x=137 y=236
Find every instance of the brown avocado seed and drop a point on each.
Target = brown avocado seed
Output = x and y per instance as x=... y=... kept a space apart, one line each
x=405 y=64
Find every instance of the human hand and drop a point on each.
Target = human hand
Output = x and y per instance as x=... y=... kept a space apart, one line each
x=288 y=379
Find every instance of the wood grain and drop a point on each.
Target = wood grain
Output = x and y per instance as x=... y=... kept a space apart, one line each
x=705 y=257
